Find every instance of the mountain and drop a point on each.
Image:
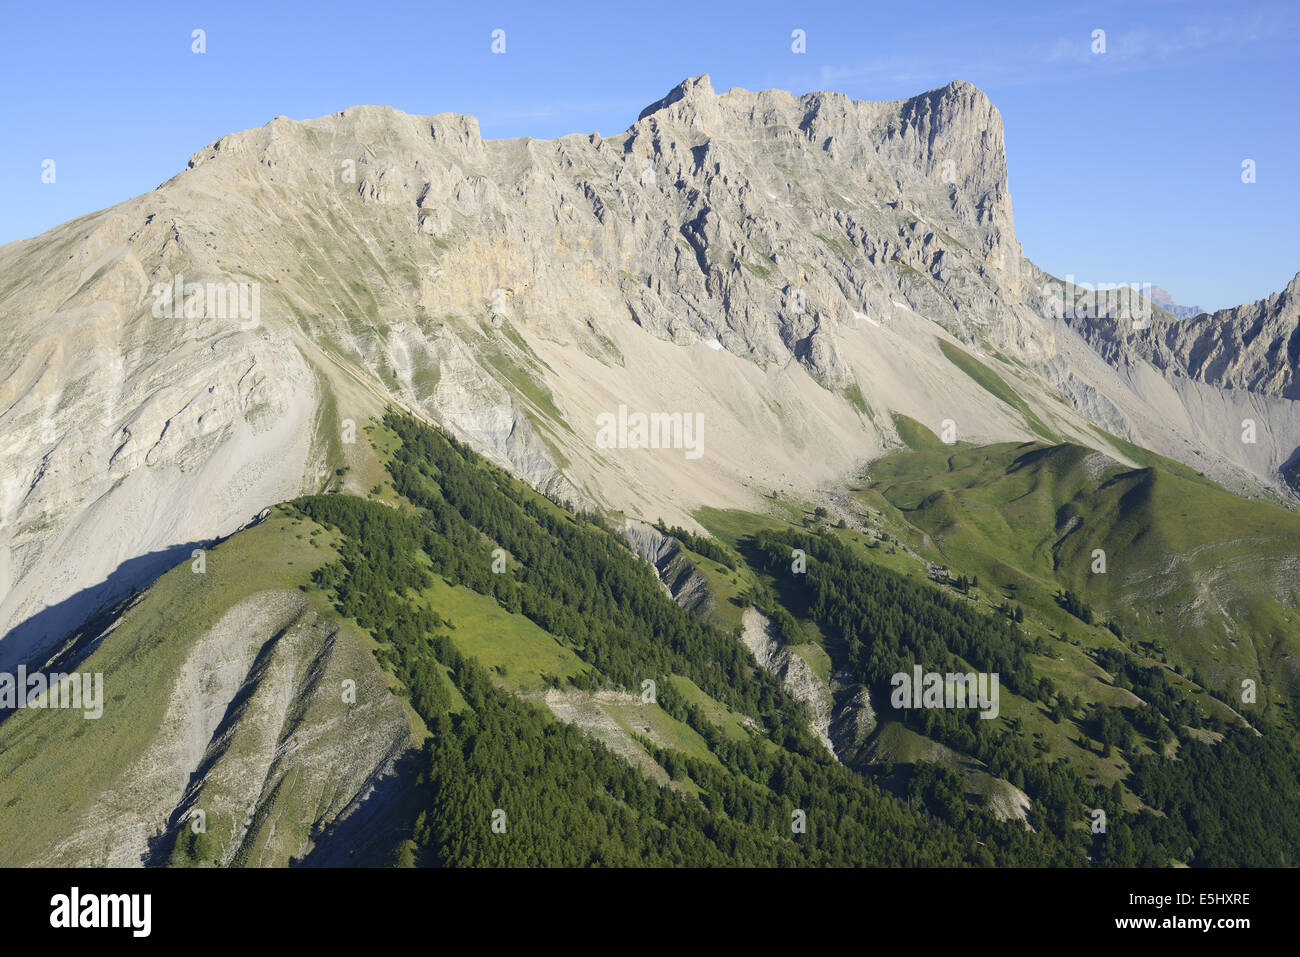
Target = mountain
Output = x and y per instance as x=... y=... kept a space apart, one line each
x=1162 y=298
x=457 y=671
x=1253 y=349
x=349 y=400
x=784 y=266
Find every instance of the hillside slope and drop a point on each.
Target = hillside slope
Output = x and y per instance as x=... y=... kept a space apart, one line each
x=232 y=699
x=1157 y=551
x=527 y=691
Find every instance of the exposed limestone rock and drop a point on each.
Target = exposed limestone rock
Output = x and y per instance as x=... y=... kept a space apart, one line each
x=793 y=671
x=679 y=576
x=781 y=265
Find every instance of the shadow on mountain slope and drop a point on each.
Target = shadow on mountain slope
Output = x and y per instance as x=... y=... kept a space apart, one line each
x=63 y=634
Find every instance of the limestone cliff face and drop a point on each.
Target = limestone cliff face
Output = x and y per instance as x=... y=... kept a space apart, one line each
x=782 y=266
x=1251 y=348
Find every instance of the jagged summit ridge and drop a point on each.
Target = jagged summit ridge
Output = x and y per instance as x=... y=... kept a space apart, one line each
x=1249 y=348
x=688 y=89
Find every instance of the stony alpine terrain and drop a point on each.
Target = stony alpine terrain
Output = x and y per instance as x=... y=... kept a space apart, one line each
x=795 y=269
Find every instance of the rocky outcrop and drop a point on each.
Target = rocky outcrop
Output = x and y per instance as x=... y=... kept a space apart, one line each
x=1252 y=348
x=793 y=671
x=853 y=720
x=676 y=572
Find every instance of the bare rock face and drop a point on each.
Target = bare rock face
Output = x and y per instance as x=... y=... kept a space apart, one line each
x=794 y=673
x=782 y=267
x=676 y=573
x=731 y=170
x=1252 y=348
x=1226 y=381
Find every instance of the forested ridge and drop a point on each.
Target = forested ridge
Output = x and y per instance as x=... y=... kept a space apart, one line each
x=567 y=800
x=1234 y=803
x=564 y=799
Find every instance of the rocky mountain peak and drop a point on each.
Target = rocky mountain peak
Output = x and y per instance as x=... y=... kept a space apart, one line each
x=783 y=265
x=691 y=90
x=1293 y=287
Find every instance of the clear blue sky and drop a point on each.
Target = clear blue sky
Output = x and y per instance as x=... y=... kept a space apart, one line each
x=1125 y=166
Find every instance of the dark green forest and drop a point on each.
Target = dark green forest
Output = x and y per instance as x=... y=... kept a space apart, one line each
x=1234 y=804
x=568 y=801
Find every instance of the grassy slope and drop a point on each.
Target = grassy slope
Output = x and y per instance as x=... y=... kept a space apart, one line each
x=1025 y=518
x=523 y=656
x=514 y=648
x=995 y=512
x=50 y=778
x=996 y=386
x=1193 y=570
x=53 y=764
x=915 y=435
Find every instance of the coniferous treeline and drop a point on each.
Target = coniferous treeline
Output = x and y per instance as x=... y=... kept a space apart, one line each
x=571 y=577
x=566 y=799
x=1234 y=804
x=569 y=801
x=879 y=623
x=701 y=545
x=888 y=623
x=1230 y=803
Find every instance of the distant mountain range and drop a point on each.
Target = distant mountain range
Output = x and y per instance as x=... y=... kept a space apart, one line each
x=1165 y=301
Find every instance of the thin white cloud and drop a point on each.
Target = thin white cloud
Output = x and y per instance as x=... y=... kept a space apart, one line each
x=1129 y=48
